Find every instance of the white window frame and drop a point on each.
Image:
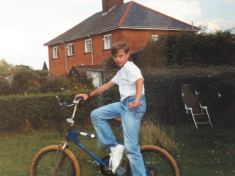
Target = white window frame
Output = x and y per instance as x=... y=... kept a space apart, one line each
x=56 y=52
x=155 y=38
x=88 y=46
x=70 y=49
x=107 y=41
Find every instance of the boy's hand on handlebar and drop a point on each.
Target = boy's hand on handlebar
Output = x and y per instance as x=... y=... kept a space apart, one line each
x=85 y=96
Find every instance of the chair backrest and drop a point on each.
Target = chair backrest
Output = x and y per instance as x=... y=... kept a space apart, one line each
x=190 y=98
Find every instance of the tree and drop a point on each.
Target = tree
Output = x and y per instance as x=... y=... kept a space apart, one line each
x=6 y=69
x=5 y=87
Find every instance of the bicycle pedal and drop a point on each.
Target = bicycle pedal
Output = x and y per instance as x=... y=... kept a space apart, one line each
x=121 y=171
x=95 y=164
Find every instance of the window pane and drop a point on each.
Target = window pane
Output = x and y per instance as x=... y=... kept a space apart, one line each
x=55 y=52
x=88 y=46
x=155 y=37
x=70 y=49
x=107 y=41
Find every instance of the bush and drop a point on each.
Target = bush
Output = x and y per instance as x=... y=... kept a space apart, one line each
x=153 y=55
x=5 y=87
x=38 y=111
x=23 y=80
x=58 y=84
x=110 y=63
x=189 y=49
x=163 y=96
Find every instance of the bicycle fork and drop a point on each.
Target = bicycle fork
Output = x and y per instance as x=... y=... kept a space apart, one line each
x=61 y=158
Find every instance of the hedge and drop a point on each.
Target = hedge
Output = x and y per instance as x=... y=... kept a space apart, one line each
x=163 y=95
x=41 y=111
x=189 y=49
x=164 y=101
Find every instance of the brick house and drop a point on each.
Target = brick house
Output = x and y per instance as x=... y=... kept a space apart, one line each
x=89 y=42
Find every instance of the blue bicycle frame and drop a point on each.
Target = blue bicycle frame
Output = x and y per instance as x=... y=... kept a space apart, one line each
x=72 y=136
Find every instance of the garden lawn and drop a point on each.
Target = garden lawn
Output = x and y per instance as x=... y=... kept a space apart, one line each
x=207 y=152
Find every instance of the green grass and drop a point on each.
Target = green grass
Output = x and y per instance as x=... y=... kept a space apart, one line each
x=207 y=152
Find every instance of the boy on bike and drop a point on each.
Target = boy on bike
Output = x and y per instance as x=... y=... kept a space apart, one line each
x=131 y=108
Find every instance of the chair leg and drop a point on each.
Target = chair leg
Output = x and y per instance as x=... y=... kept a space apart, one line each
x=209 y=117
x=194 y=120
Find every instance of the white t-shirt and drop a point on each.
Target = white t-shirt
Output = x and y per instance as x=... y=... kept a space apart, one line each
x=126 y=78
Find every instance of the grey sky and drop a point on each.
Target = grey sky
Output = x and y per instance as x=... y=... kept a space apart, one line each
x=25 y=25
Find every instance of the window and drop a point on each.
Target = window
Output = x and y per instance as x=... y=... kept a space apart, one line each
x=155 y=37
x=70 y=49
x=88 y=46
x=55 y=52
x=107 y=41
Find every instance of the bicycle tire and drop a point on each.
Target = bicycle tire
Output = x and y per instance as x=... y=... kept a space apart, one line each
x=46 y=162
x=157 y=162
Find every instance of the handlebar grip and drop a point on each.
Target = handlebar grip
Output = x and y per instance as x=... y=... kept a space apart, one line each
x=78 y=100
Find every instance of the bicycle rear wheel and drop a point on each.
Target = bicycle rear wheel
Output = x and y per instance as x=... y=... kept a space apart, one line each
x=158 y=162
x=51 y=161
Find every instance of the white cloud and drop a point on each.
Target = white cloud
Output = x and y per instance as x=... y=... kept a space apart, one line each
x=228 y=1
x=184 y=11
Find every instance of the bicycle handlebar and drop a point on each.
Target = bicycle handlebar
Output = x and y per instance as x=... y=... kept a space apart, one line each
x=78 y=100
x=75 y=101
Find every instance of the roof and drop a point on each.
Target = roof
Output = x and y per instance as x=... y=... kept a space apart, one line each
x=44 y=66
x=81 y=69
x=130 y=15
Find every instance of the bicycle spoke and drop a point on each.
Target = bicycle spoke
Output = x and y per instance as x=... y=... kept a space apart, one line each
x=50 y=164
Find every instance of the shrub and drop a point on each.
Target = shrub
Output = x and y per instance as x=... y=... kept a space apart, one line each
x=153 y=55
x=40 y=111
x=110 y=63
x=54 y=84
x=5 y=87
x=58 y=84
x=189 y=49
x=163 y=95
x=23 y=80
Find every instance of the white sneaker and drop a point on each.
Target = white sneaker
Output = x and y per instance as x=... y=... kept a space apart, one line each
x=116 y=158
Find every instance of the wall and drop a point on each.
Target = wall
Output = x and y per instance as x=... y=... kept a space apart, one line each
x=136 y=39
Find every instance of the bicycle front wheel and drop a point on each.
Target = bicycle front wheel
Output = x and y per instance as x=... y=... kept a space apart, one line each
x=157 y=161
x=51 y=161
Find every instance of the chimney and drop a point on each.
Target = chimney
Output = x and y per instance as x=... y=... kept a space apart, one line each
x=108 y=4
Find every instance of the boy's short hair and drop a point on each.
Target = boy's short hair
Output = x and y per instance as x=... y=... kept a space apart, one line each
x=119 y=45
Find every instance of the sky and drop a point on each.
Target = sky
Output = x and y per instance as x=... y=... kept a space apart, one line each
x=25 y=25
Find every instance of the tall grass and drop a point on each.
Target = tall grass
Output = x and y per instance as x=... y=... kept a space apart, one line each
x=156 y=135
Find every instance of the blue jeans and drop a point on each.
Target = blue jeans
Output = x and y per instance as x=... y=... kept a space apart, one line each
x=131 y=120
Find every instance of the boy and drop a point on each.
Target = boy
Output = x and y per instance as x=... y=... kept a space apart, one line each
x=131 y=108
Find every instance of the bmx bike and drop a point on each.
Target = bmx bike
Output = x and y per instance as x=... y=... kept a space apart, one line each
x=58 y=160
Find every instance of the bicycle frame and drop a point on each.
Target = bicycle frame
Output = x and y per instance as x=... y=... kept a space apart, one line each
x=72 y=136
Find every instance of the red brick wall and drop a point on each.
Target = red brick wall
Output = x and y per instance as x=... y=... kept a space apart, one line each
x=57 y=66
x=136 y=39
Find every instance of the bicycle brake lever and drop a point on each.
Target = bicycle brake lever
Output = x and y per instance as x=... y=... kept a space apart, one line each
x=58 y=100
